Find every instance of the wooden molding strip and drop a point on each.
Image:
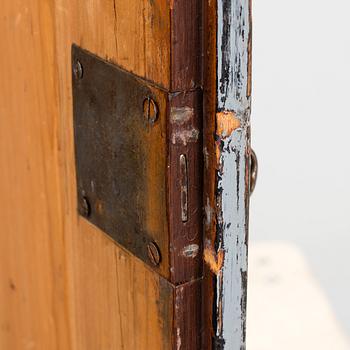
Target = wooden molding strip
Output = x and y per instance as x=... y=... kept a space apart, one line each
x=226 y=181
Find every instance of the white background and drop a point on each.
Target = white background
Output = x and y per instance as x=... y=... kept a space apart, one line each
x=299 y=282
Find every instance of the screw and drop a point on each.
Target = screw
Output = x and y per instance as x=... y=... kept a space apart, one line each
x=153 y=253
x=78 y=69
x=85 y=207
x=150 y=110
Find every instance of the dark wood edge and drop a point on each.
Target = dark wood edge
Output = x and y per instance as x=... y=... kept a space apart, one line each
x=210 y=163
x=185 y=141
x=187 y=316
x=186 y=43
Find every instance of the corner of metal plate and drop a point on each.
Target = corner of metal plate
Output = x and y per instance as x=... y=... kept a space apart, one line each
x=116 y=117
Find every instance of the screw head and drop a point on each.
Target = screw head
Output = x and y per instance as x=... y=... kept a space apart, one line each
x=78 y=69
x=153 y=253
x=150 y=110
x=85 y=207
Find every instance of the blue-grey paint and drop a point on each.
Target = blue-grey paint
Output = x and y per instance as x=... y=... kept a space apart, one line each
x=233 y=59
x=232 y=96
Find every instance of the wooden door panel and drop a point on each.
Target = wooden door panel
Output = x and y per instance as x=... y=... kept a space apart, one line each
x=34 y=310
x=117 y=301
x=65 y=284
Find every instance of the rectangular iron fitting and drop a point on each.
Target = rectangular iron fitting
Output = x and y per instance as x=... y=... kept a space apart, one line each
x=138 y=164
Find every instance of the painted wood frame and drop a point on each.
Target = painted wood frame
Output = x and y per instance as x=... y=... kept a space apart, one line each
x=227 y=94
x=85 y=291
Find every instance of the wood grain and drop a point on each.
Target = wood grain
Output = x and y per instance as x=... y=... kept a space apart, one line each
x=34 y=310
x=65 y=285
x=210 y=164
x=185 y=136
x=186 y=44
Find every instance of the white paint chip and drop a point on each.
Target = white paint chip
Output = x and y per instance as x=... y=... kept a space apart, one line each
x=185 y=136
x=190 y=251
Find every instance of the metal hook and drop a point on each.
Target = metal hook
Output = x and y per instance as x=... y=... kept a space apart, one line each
x=253 y=170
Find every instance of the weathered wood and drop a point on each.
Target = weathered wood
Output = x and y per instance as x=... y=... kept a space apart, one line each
x=138 y=312
x=67 y=285
x=210 y=163
x=186 y=41
x=225 y=249
x=187 y=319
x=184 y=139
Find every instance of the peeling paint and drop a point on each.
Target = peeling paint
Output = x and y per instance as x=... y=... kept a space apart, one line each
x=232 y=150
x=233 y=225
x=181 y=115
x=190 y=251
x=226 y=123
x=213 y=259
x=185 y=136
x=233 y=55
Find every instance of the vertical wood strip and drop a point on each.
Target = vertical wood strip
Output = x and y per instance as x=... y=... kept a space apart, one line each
x=34 y=311
x=233 y=149
x=187 y=320
x=226 y=224
x=210 y=165
x=184 y=138
x=186 y=41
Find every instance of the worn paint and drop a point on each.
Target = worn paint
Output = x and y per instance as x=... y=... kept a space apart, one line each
x=213 y=259
x=178 y=339
x=185 y=136
x=226 y=123
x=208 y=210
x=184 y=173
x=233 y=52
x=232 y=150
x=190 y=251
x=181 y=115
x=233 y=226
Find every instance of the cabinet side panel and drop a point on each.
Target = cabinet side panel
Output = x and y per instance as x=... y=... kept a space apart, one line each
x=34 y=310
x=116 y=301
x=65 y=284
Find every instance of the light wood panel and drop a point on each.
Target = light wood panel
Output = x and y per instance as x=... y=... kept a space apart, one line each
x=34 y=311
x=134 y=34
x=64 y=284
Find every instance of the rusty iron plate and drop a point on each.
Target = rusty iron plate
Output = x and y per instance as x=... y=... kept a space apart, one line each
x=120 y=154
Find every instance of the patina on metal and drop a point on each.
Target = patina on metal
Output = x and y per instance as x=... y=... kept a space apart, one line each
x=184 y=188
x=153 y=253
x=253 y=170
x=116 y=124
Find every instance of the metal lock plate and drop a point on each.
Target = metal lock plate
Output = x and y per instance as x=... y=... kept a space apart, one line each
x=120 y=153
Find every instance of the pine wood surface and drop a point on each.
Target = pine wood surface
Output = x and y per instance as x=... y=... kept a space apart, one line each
x=64 y=284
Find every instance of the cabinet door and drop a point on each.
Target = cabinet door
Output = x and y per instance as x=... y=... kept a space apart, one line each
x=65 y=282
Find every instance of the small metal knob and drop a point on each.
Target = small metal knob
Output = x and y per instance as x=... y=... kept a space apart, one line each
x=253 y=170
